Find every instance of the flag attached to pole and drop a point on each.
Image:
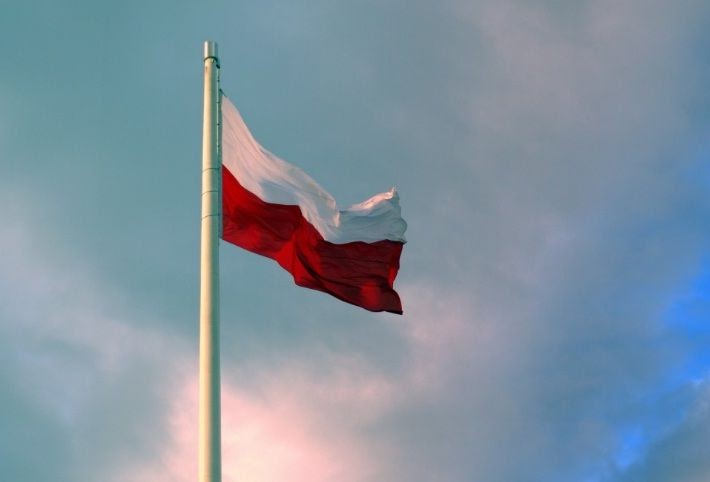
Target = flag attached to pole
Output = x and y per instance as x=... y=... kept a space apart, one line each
x=274 y=209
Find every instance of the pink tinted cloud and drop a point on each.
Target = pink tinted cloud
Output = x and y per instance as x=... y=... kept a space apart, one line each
x=290 y=430
x=300 y=421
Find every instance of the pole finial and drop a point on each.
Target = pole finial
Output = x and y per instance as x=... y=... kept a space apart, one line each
x=210 y=50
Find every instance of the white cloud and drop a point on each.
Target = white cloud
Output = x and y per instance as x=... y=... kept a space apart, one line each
x=77 y=359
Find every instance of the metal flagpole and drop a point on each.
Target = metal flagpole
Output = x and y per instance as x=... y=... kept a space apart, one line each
x=209 y=465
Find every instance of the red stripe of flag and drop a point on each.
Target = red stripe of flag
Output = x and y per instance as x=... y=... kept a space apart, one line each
x=357 y=272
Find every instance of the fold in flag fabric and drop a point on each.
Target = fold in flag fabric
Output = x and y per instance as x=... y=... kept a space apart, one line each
x=276 y=210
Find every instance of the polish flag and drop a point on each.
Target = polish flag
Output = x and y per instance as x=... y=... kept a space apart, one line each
x=274 y=209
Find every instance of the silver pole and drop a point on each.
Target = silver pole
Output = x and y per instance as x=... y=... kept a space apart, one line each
x=210 y=469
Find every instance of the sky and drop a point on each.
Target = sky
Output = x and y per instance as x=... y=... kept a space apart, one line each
x=553 y=163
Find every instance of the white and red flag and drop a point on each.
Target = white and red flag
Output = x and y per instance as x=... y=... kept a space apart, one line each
x=274 y=209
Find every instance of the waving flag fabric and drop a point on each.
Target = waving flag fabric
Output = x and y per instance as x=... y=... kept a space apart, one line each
x=274 y=209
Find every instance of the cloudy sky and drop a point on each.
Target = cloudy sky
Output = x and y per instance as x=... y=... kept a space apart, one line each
x=553 y=161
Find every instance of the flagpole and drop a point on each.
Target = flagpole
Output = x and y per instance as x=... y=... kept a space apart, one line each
x=209 y=458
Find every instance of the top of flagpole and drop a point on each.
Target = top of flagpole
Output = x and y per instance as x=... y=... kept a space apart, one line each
x=210 y=51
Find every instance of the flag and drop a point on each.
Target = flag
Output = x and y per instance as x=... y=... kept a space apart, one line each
x=274 y=209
